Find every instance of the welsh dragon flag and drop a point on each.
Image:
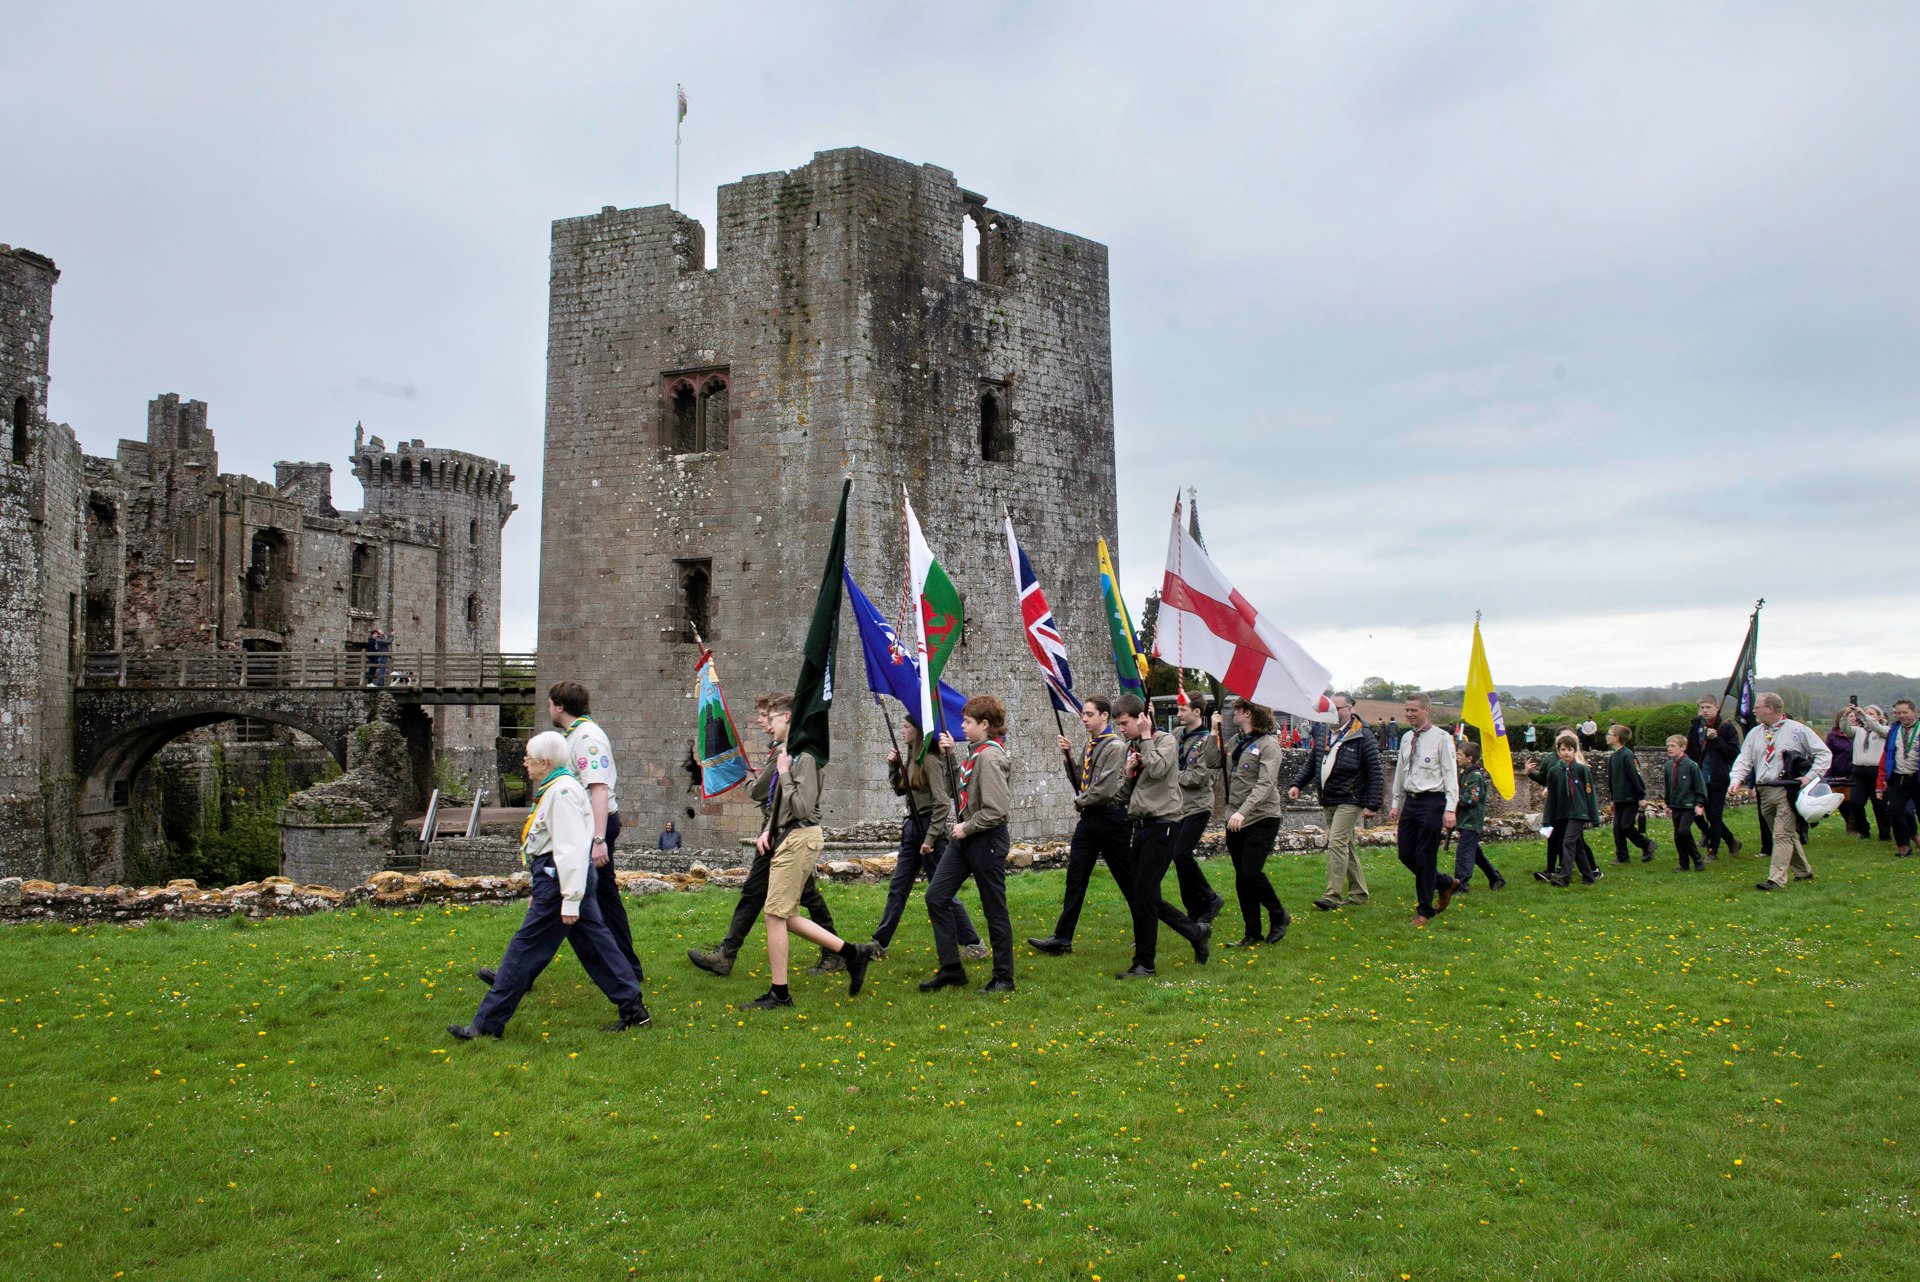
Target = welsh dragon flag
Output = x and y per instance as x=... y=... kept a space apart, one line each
x=937 y=622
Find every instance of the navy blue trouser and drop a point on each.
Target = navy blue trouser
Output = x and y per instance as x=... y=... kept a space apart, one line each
x=983 y=857
x=1152 y=853
x=539 y=938
x=613 y=906
x=1469 y=854
x=1100 y=835
x=908 y=865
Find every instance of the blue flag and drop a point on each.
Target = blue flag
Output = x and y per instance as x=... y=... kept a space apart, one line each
x=723 y=761
x=890 y=668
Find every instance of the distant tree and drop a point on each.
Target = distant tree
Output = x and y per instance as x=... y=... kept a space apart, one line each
x=1376 y=688
x=1799 y=702
x=1578 y=702
x=1611 y=700
x=1403 y=691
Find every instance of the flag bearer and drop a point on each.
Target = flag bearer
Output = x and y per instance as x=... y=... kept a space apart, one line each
x=1153 y=804
x=1254 y=805
x=924 y=837
x=1101 y=834
x=1197 y=778
x=978 y=849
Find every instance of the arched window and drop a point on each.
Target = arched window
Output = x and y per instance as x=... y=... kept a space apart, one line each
x=406 y=471
x=683 y=416
x=995 y=447
x=473 y=609
x=22 y=443
x=362 y=597
x=695 y=607
x=473 y=532
x=698 y=411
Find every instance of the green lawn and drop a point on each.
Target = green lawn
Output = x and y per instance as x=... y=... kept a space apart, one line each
x=1662 y=1076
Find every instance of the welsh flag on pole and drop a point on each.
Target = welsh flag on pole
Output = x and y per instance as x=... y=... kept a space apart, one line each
x=1204 y=623
x=937 y=621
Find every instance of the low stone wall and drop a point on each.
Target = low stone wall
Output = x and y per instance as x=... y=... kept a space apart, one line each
x=334 y=854
x=487 y=855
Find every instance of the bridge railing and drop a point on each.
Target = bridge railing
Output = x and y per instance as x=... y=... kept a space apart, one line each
x=403 y=671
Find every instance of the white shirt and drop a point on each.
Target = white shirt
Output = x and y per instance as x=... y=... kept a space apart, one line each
x=591 y=756
x=1432 y=770
x=1786 y=735
x=563 y=827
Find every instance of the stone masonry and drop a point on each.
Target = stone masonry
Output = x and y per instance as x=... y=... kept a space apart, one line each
x=699 y=422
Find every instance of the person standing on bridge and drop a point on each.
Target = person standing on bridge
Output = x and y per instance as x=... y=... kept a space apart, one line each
x=379 y=655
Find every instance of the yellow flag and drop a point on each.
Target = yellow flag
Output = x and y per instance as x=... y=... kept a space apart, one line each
x=1483 y=712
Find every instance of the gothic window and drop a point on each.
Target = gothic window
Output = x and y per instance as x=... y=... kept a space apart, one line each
x=996 y=442
x=186 y=538
x=473 y=609
x=694 y=609
x=22 y=443
x=697 y=412
x=362 y=583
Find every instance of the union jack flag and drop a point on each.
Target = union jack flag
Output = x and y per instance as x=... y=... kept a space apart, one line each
x=1043 y=638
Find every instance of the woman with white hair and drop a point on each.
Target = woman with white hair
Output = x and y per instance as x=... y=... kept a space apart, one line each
x=556 y=845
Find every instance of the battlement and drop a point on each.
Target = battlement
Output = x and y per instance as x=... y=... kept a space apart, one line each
x=26 y=260
x=413 y=466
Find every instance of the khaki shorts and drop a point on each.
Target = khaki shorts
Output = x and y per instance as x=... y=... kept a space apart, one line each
x=793 y=862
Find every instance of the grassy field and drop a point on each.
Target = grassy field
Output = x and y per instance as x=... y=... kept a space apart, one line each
x=1662 y=1076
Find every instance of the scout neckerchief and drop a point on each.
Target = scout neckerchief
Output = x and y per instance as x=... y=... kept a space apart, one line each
x=966 y=769
x=1086 y=760
x=526 y=829
x=1908 y=733
x=1190 y=739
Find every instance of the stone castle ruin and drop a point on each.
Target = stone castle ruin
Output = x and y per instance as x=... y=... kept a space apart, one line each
x=699 y=421
x=119 y=568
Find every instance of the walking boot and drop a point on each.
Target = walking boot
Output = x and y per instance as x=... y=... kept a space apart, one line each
x=1279 y=931
x=713 y=961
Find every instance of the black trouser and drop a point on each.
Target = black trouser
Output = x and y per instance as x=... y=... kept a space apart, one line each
x=1903 y=796
x=1568 y=846
x=1626 y=828
x=1582 y=853
x=1249 y=849
x=908 y=865
x=539 y=938
x=1419 y=840
x=1683 y=841
x=1099 y=836
x=1197 y=894
x=1713 y=824
x=753 y=902
x=1152 y=853
x=983 y=857
x=1865 y=781
x=613 y=906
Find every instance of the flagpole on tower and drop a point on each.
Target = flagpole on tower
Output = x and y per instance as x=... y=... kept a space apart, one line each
x=680 y=114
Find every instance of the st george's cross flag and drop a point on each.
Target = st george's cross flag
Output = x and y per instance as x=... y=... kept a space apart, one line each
x=1205 y=624
x=937 y=622
x=1043 y=638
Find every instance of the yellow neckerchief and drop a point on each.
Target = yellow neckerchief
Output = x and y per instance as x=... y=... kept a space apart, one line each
x=1086 y=760
x=539 y=791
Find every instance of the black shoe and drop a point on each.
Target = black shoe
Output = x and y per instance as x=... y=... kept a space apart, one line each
x=1136 y=972
x=768 y=1000
x=857 y=957
x=1213 y=910
x=829 y=964
x=1201 y=947
x=1764 y=885
x=879 y=950
x=634 y=1016
x=1653 y=848
x=1052 y=945
x=1734 y=847
x=1245 y=941
x=1279 y=931
x=486 y=975
x=714 y=961
x=467 y=1032
x=1622 y=859
x=1543 y=876
x=1595 y=876
x=944 y=978
x=1326 y=905
x=1498 y=883
x=998 y=986
x=1561 y=882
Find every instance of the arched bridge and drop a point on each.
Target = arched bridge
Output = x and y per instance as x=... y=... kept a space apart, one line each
x=128 y=706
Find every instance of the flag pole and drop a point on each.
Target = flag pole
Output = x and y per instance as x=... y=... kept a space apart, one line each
x=906 y=771
x=1213 y=682
x=679 y=114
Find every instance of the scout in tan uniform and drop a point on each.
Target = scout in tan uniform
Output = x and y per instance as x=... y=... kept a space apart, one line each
x=794 y=840
x=1102 y=832
x=1254 y=804
x=979 y=847
x=1154 y=804
x=924 y=836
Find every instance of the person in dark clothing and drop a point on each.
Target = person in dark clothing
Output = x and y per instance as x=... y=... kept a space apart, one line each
x=1102 y=834
x=670 y=839
x=1687 y=799
x=1629 y=790
x=718 y=960
x=1476 y=789
x=1197 y=777
x=1566 y=811
x=1714 y=744
x=1346 y=768
x=924 y=835
x=379 y=657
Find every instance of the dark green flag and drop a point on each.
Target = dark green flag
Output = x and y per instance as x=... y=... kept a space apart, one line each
x=813 y=694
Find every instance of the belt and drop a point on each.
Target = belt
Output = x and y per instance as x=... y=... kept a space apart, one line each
x=1430 y=792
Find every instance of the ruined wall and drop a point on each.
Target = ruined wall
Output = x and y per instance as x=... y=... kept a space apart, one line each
x=42 y=579
x=845 y=334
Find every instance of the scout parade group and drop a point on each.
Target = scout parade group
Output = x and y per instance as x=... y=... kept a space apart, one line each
x=1143 y=796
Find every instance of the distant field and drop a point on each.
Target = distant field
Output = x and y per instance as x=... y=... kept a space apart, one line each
x=1662 y=1076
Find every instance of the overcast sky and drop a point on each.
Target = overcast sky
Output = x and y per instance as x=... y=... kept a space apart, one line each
x=1600 y=318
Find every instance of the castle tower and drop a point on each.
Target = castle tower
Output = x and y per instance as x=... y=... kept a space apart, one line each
x=42 y=577
x=458 y=503
x=699 y=421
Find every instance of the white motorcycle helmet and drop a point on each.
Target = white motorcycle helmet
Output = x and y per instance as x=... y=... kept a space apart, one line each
x=1817 y=801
